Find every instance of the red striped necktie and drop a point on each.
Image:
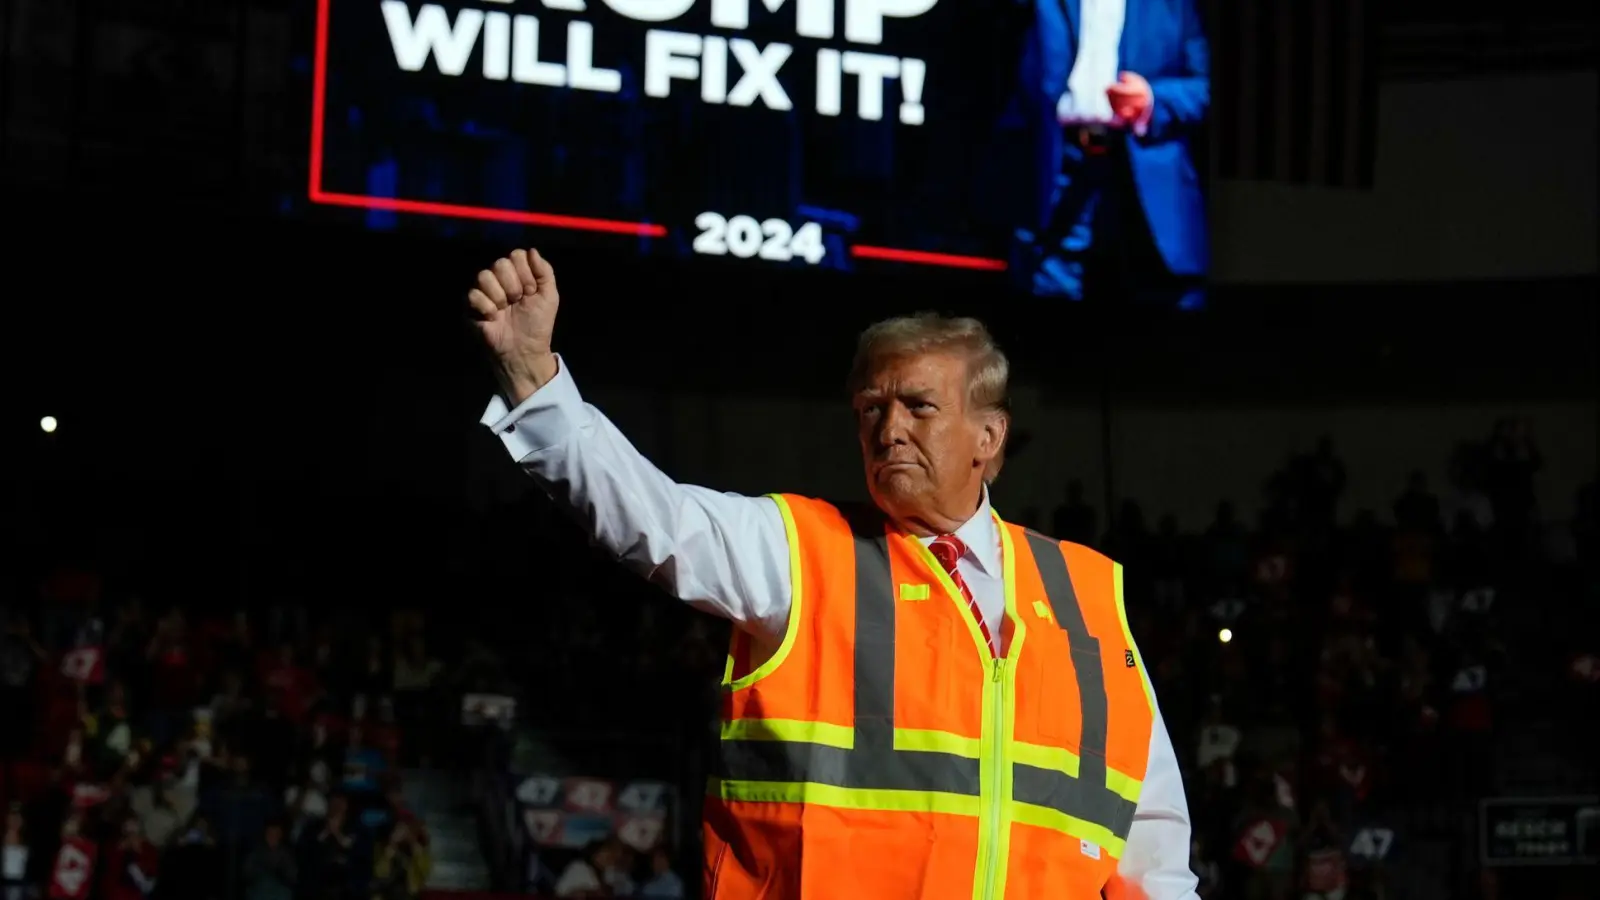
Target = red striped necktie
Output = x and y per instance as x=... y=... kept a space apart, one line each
x=948 y=550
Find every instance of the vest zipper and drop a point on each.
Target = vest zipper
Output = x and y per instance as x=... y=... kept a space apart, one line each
x=997 y=759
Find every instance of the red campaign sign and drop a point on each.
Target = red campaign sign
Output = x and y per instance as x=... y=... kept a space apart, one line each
x=589 y=795
x=1257 y=842
x=86 y=795
x=593 y=796
x=73 y=874
x=85 y=665
x=573 y=812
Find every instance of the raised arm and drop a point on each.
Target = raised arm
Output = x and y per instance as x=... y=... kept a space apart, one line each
x=724 y=553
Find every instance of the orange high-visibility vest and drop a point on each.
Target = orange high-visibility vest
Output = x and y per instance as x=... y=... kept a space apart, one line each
x=882 y=753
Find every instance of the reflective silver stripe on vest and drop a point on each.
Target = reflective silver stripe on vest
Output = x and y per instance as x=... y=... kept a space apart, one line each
x=872 y=763
x=1084 y=797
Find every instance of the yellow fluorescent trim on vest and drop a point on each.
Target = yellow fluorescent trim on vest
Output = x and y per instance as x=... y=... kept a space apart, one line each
x=1125 y=786
x=1056 y=759
x=1041 y=609
x=930 y=741
x=913 y=592
x=1127 y=635
x=845 y=798
x=792 y=730
x=796 y=605
x=913 y=802
x=1082 y=829
x=843 y=737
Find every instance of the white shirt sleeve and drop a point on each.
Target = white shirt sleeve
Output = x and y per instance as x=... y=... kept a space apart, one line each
x=727 y=554
x=1157 y=854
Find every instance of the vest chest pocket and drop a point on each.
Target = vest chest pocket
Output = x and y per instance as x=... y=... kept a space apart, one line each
x=925 y=671
x=1059 y=709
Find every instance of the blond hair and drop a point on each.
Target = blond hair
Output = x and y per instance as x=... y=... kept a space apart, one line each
x=988 y=370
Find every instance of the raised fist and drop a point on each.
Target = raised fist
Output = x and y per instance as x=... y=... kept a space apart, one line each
x=515 y=304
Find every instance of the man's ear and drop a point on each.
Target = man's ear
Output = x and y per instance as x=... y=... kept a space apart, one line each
x=992 y=443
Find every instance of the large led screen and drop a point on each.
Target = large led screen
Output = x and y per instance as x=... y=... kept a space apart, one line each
x=846 y=134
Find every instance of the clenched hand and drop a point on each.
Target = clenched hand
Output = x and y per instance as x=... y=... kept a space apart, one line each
x=515 y=303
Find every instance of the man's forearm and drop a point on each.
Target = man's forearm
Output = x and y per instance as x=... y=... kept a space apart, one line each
x=521 y=379
x=723 y=552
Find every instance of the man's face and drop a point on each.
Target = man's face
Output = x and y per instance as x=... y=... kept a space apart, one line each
x=922 y=447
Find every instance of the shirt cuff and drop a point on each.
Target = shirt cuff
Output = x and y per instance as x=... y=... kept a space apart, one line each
x=540 y=422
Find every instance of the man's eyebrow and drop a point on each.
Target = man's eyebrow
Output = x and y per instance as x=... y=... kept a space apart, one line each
x=917 y=393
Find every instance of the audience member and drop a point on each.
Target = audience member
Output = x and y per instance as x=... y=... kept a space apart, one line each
x=1326 y=678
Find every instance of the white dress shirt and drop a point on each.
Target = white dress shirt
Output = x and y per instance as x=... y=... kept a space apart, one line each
x=727 y=554
x=1094 y=69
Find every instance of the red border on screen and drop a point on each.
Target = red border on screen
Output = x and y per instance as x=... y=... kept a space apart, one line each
x=319 y=89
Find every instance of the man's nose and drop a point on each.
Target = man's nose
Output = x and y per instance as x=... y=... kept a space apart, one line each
x=892 y=426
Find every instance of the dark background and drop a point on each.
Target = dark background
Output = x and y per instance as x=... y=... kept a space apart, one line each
x=259 y=408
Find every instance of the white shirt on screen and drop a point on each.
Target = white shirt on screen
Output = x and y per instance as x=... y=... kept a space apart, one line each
x=1095 y=67
x=727 y=554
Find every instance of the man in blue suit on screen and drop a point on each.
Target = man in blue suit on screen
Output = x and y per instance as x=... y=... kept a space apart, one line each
x=1114 y=93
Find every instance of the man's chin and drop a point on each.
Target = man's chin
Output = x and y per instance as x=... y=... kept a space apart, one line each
x=899 y=480
x=894 y=489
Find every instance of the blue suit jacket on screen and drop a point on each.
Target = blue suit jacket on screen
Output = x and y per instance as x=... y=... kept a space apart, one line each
x=1164 y=41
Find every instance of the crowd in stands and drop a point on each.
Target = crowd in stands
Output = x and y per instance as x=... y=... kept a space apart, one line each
x=610 y=868
x=1338 y=685
x=1332 y=688
x=149 y=755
